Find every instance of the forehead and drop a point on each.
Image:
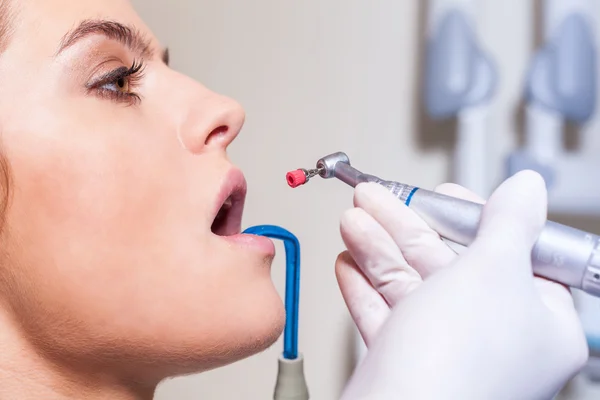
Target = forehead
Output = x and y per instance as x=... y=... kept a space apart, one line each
x=43 y=23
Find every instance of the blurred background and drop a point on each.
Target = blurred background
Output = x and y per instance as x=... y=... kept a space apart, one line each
x=421 y=92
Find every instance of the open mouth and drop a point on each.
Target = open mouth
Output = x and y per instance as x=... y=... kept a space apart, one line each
x=228 y=218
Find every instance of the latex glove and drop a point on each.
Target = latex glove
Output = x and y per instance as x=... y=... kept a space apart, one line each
x=442 y=326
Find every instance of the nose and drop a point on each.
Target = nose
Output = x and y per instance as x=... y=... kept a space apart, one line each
x=213 y=121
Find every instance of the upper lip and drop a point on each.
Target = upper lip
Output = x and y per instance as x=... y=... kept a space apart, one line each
x=234 y=188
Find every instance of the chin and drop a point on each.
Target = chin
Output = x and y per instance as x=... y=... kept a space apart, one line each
x=272 y=327
x=245 y=334
x=260 y=328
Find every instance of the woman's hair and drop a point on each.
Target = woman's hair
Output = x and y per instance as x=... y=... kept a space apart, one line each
x=6 y=17
x=5 y=186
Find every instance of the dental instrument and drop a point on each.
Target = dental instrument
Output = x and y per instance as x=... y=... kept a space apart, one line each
x=291 y=382
x=561 y=253
x=460 y=82
x=560 y=88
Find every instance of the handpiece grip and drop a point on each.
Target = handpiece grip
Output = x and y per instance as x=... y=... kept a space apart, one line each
x=562 y=253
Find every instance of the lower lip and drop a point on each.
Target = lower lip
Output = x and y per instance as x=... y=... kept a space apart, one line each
x=261 y=244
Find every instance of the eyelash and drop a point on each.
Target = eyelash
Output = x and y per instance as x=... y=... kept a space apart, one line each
x=130 y=76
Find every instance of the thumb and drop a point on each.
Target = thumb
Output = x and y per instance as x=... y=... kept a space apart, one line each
x=512 y=221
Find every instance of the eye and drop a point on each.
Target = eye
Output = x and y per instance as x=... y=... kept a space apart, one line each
x=118 y=85
x=122 y=85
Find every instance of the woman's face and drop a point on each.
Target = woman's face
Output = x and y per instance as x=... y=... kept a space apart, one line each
x=111 y=253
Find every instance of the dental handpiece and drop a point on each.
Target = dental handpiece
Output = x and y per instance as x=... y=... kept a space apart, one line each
x=562 y=254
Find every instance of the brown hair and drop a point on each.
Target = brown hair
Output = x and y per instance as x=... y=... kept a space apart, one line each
x=6 y=31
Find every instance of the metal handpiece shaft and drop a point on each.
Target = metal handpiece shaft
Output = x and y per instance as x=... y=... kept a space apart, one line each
x=562 y=253
x=351 y=176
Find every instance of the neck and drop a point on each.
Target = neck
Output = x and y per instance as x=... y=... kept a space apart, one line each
x=26 y=373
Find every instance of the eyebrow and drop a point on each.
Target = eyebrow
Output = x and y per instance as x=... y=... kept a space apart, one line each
x=124 y=34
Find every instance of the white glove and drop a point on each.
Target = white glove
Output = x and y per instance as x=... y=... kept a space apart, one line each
x=441 y=326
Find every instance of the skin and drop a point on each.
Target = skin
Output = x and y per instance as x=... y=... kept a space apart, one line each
x=110 y=277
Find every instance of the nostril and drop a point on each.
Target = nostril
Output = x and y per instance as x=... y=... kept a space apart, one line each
x=217 y=134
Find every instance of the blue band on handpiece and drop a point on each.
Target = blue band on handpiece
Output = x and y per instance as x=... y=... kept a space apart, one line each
x=410 y=196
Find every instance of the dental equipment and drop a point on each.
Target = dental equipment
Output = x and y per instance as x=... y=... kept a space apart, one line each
x=561 y=253
x=561 y=87
x=460 y=83
x=291 y=382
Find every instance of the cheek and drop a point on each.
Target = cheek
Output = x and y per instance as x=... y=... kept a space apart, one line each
x=90 y=193
x=87 y=170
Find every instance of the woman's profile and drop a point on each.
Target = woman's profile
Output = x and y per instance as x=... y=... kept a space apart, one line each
x=121 y=259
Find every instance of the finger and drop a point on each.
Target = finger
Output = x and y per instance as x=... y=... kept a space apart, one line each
x=367 y=308
x=421 y=246
x=511 y=222
x=378 y=256
x=555 y=296
x=560 y=302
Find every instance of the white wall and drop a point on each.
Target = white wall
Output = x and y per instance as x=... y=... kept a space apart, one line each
x=318 y=76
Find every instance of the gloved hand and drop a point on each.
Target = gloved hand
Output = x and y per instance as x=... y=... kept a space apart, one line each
x=444 y=326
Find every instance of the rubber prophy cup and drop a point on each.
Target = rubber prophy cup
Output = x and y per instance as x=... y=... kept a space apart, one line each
x=296 y=178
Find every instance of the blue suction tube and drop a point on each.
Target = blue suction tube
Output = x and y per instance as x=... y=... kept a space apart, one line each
x=292 y=283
